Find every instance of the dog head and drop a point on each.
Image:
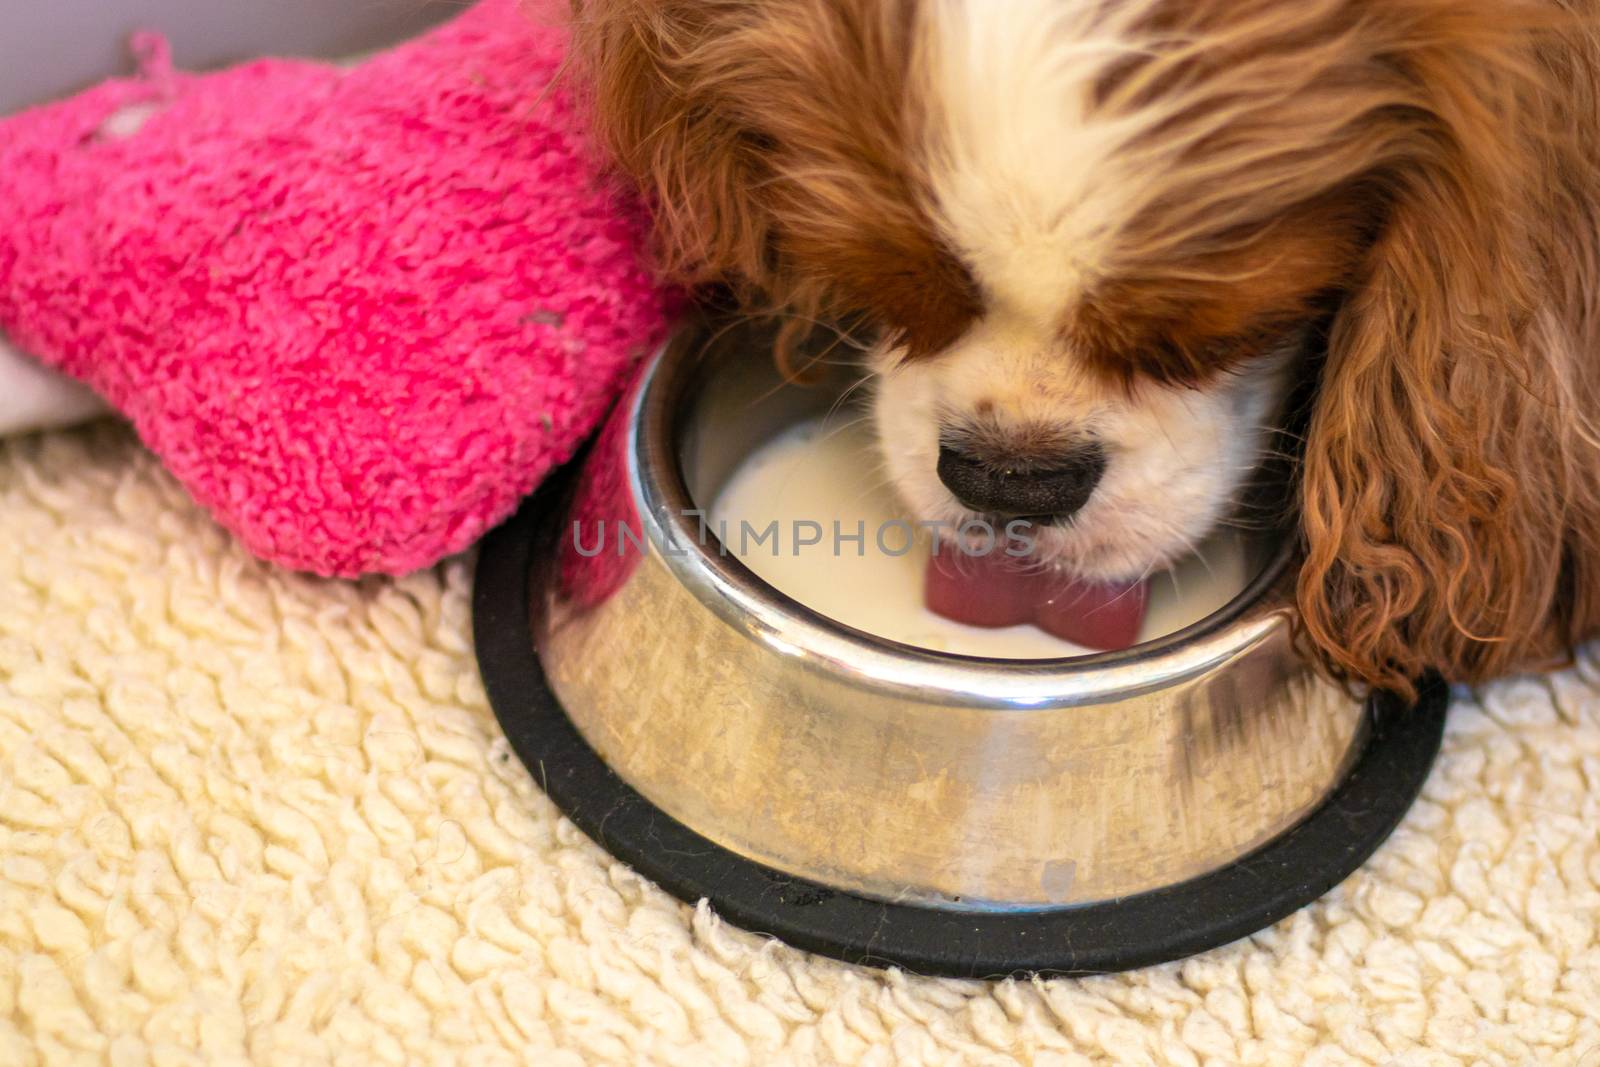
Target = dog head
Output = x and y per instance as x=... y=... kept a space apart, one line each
x=1089 y=244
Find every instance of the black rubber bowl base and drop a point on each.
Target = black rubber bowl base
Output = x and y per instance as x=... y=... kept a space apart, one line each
x=1154 y=927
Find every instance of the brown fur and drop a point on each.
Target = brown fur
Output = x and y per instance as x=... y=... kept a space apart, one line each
x=1429 y=165
x=1196 y=315
x=773 y=139
x=1451 y=486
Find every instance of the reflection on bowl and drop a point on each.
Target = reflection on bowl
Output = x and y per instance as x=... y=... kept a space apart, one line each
x=893 y=772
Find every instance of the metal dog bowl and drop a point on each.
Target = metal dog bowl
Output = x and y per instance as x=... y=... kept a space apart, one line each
x=888 y=804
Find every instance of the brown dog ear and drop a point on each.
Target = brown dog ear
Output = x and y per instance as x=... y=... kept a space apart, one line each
x=647 y=69
x=775 y=141
x=1451 y=481
x=675 y=89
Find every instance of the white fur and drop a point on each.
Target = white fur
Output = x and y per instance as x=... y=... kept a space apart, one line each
x=1031 y=190
x=1177 y=456
x=1028 y=185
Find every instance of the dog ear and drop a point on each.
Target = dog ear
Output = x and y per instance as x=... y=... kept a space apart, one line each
x=774 y=142
x=671 y=93
x=646 y=67
x=1451 y=481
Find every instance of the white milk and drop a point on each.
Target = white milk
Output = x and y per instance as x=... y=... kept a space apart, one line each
x=831 y=471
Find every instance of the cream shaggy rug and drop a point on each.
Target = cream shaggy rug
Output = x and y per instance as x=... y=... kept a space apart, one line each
x=251 y=817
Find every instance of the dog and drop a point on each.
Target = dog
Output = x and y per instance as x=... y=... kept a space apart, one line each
x=1096 y=245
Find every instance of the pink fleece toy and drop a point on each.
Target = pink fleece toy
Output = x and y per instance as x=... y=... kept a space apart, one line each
x=358 y=312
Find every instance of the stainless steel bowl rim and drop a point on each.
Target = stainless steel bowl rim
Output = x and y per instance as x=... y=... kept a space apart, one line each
x=788 y=628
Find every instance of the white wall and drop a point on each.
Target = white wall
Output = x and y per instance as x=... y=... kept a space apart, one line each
x=49 y=48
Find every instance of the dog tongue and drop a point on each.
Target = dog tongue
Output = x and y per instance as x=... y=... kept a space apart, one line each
x=995 y=590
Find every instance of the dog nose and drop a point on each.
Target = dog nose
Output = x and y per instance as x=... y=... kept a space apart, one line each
x=1044 y=489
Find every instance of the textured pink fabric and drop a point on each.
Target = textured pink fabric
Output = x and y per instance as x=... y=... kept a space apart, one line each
x=358 y=313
